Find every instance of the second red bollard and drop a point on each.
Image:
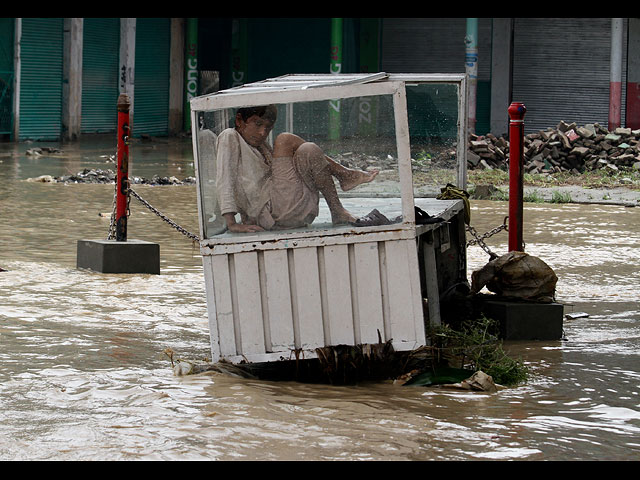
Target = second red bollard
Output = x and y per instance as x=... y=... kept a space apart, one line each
x=122 y=178
x=516 y=148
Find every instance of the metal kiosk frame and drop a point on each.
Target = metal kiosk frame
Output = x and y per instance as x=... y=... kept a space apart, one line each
x=280 y=295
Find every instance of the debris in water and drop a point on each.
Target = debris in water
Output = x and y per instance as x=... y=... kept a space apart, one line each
x=437 y=376
x=478 y=381
x=42 y=179
x=572 y=316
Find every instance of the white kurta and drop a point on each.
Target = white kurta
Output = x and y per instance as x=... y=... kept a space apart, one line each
x=266 y=191
x=243 y=179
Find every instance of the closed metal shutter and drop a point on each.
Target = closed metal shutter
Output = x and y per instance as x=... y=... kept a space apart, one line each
x=561 y=70
x=436 y=45
x=151 y=94
x=100 y=54
x=41 y=73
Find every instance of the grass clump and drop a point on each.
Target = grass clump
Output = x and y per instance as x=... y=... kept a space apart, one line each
x=559 y=197
x=533 y=197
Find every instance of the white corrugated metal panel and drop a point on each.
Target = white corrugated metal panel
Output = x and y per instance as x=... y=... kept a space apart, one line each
x=269 y=300
x=270 y=303
x=561 y=70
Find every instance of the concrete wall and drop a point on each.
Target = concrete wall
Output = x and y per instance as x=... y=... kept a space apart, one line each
x=72 y=78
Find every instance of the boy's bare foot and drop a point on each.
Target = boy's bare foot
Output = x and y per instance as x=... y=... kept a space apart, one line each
x=356 y=177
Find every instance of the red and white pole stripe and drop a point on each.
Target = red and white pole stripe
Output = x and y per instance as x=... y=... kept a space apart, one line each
x=615 y=83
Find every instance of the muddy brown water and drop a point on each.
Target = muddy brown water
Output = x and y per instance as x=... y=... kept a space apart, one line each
x=83 y=375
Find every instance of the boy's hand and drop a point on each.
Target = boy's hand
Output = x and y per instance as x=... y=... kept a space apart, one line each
x=234 y=227
x=244 y=228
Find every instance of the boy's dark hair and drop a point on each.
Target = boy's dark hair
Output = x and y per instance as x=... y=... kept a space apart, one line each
x=268 y=112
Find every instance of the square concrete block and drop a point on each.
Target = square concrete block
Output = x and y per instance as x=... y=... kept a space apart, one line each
x=526 y=321
x=111 y=256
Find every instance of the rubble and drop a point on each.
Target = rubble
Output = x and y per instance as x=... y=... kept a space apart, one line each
x=565 y=148
x=568 y=147
x=39 y=151
x=98 y=175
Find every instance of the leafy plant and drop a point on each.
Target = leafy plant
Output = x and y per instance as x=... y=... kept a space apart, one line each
x=476 y=346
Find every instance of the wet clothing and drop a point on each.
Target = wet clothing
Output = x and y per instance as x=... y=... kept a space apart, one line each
x=294 y=201
x=266 y=191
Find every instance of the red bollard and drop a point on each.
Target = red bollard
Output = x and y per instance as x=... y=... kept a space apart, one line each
x=122 y=178
x=516 y=148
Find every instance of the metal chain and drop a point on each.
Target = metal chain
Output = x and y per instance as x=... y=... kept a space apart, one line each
x=112 y=225
x=182 y=230
x=479 y=239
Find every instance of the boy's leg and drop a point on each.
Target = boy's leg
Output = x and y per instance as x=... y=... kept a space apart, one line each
x=347 y=177
x=286 y=144
x=316 y=173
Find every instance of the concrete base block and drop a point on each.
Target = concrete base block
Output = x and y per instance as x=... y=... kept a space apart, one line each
x=526 y=321
x=110 y=256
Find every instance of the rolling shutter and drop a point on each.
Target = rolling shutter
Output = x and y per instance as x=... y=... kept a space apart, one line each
x=6 y=75
x=151 y=94
x=41 y=77
x=436 y=45
x=561 y=70
x=100 y=53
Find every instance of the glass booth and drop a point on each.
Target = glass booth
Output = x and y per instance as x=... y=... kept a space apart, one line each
x=287 y=290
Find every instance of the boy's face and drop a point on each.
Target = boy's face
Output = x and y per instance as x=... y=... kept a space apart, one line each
x=255 y=130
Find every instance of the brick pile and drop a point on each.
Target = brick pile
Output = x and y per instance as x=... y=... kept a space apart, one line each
x=567 y=147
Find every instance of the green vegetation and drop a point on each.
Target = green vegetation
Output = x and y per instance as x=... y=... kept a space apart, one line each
x=559 y=197
x=629 y=178
x=476 y=346
x=533 y=197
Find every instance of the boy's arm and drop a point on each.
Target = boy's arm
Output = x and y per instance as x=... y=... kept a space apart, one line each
x=228 y=157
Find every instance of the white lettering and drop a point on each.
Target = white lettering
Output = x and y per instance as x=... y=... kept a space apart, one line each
x=237 y=78
x=365 y=110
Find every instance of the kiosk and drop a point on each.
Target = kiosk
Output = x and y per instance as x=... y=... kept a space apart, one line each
x=282 y=294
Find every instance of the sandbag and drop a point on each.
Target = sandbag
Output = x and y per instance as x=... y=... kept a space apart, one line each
x=517 y=275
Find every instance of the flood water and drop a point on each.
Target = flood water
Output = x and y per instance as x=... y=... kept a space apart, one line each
x=83 y=375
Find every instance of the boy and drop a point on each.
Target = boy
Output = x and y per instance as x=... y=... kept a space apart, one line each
x=279 y=187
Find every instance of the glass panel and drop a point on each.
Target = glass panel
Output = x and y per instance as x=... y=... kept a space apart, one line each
x=353 y=146
x=433 y=128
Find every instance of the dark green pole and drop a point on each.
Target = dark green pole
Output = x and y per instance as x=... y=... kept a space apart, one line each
x=191 y=68
x=239 y=61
